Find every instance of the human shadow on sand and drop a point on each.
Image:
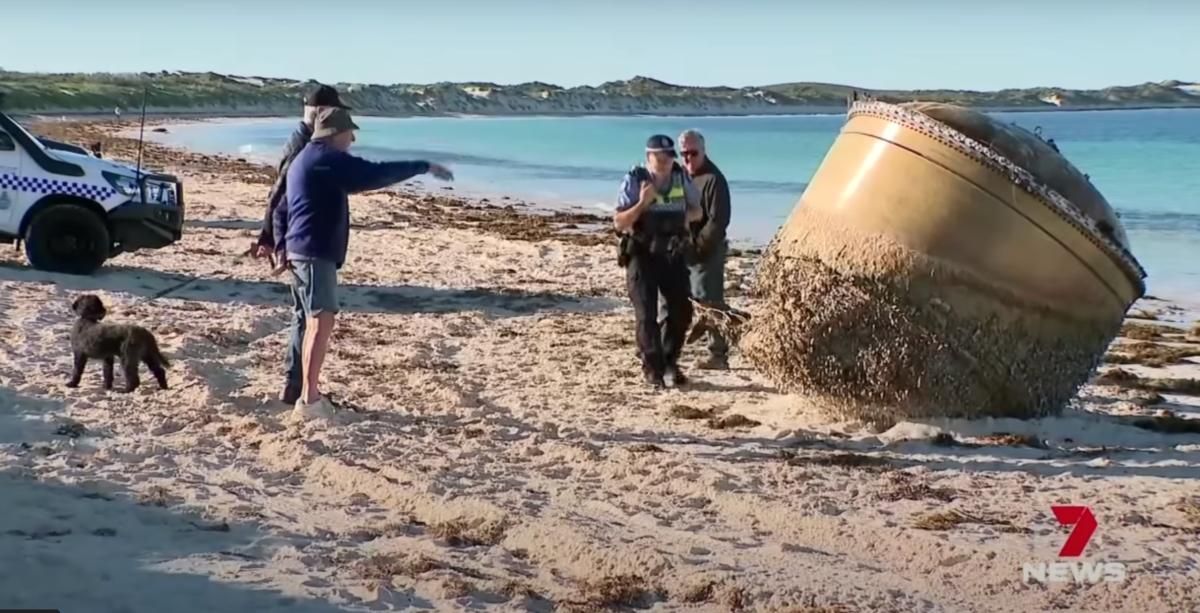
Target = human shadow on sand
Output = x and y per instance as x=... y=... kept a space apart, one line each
x=99 y=551
x=151 y=284
x=24 y=418
x=86 y=545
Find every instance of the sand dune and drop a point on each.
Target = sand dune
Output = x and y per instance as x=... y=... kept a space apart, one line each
x=499 y=453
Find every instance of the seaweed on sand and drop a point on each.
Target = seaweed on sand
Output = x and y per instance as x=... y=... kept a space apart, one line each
x=463 y=533
x=1145 y=332
x=1124 y=378
x=946 y=520
x=1149 y=354
x=1169 y=423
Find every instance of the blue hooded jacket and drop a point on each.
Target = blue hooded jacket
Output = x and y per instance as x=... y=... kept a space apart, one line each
x=316 y=221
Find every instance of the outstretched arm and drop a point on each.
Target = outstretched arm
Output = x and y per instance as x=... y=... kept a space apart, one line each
x=359 y=175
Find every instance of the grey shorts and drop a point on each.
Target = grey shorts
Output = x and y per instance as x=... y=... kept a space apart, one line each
x=314 y=286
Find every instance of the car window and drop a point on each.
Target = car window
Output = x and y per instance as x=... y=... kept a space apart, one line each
x=6 y=142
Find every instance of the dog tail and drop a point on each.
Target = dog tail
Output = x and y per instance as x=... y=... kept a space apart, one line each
x=157 y=353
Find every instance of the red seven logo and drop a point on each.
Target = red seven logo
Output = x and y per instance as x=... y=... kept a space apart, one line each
x=1085 y=526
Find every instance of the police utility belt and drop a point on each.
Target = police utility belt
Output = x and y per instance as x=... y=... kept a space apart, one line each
x=633 y=245
x=662 y=230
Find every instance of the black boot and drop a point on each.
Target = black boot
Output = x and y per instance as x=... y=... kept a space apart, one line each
x=289 y=395
x=653 y=379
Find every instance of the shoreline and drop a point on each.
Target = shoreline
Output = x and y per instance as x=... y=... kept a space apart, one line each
x=235 y=114
x=483 y=197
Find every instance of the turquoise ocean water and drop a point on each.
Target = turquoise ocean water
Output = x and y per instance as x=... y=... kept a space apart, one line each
x=1146 y=162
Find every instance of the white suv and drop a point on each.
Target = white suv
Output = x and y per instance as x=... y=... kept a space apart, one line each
x=74 y=210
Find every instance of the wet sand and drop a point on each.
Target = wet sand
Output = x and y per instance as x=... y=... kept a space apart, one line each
x=500 y=452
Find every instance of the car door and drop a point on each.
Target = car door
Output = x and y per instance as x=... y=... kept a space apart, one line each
x=10 y=174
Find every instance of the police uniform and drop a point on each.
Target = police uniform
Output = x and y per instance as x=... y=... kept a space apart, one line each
x=654 y=255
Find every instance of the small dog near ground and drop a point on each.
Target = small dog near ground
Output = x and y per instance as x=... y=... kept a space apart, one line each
x=133 y=344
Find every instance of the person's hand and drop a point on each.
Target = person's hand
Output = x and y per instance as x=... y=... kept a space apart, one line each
x=648 y=194
x=260 y=251
x=440 y=172
x=280 y=265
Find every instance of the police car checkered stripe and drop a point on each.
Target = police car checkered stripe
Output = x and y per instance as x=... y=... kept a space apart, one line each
x=54 y=186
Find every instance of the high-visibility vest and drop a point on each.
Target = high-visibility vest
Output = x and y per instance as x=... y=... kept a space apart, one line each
x=675 y=194
x=667 y=215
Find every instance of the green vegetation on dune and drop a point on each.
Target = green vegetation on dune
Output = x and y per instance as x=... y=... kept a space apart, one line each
x=180 y=92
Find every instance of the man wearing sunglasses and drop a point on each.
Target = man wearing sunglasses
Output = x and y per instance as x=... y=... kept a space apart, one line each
x=656 y=203
x=708 y=238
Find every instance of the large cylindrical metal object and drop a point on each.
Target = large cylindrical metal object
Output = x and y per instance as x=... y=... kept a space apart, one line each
x=925 y=274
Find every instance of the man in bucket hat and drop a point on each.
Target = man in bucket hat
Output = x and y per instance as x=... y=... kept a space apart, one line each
x=315 y=226
x=656 y=203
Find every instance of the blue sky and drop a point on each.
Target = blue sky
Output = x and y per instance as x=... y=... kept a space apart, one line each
x=868 y=43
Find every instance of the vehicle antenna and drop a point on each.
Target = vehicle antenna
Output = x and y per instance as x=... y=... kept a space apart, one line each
x=142 y=136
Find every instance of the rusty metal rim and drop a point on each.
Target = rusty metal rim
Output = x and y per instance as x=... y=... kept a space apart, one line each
x=992 y=160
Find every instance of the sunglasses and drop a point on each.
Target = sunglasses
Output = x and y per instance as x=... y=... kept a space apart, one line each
x=687 y=155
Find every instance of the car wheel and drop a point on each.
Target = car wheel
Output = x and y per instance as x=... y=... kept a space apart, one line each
x=67 y=238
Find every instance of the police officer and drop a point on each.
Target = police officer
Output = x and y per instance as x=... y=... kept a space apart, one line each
x=656 y=203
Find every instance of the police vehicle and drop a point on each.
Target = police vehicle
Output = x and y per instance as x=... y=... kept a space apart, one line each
x=74 y=210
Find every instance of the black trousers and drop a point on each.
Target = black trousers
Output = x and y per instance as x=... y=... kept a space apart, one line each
x=648 y=275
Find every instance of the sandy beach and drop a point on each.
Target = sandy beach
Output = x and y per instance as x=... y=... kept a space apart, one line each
x=501 y=453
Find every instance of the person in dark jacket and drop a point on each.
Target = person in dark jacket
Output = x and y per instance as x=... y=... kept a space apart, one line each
x=323 y=96
x=315 y=226
x=707 y=271
x=654 y=206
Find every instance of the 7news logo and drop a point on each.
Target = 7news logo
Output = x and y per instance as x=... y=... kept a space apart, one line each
x=1085 y=525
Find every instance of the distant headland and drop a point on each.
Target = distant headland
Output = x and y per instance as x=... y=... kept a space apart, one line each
x=213 y=94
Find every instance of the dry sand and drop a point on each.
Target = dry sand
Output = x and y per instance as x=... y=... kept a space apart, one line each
x=501 y=453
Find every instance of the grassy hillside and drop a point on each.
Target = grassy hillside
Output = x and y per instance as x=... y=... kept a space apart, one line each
x=178 y=92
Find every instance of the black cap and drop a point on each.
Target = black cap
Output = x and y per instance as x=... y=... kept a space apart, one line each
x=660 y=143
x=324 y=95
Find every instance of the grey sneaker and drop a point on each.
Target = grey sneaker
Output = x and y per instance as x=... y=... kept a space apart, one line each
x=305 y=411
